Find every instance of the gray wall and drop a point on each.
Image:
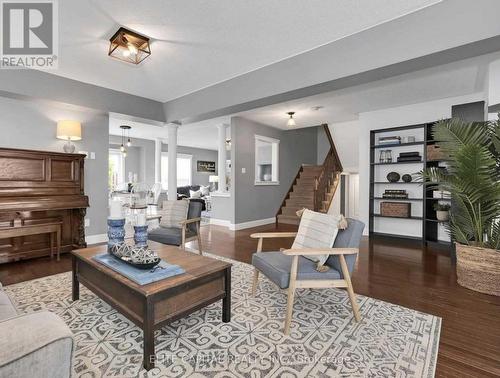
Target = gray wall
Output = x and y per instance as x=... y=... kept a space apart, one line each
x=254 y=202
x=323 y=144
x=470 y=112
x=140 y=157
x=38 y=84
x=223 y=208
x=30 y=125
x=133 y=163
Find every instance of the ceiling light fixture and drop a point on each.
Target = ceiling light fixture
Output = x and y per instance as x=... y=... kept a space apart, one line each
x=291 y=121
x=129 y=46
x=125 y=129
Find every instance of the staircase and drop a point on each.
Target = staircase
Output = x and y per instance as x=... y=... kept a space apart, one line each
x=313 y=187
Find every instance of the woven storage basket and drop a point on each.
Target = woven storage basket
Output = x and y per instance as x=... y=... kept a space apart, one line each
x=434 y=152
x=478 y=269
x=395 y=209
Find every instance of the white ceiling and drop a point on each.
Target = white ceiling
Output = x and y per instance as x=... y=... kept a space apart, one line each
x=455 y=79
x=198 y=135
x=199 y=43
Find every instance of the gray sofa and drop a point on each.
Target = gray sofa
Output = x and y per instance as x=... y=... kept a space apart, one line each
x=38 y=345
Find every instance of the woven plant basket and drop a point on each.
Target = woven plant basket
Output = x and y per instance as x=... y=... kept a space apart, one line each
x=478 y=269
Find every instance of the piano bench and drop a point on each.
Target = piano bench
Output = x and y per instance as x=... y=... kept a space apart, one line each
x=52 y=228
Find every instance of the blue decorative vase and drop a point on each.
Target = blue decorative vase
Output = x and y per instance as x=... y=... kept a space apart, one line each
x=116 y=232
x=141 y=236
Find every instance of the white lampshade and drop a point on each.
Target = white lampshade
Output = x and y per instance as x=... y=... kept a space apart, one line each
x=291 y=122
x=213 y=178
x=69 y=130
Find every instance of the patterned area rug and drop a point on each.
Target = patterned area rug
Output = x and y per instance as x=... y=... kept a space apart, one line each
x=325 y=340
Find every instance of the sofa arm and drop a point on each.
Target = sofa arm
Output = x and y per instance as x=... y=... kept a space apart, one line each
x=39 y=344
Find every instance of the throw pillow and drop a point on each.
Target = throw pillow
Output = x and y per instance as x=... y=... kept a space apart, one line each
x=342 y=221
x=205 y=190
x=173 y=213
x=316 y=230
x=195 y=194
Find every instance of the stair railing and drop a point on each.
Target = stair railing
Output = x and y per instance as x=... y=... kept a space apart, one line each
x=332 y=167
x=287 y=196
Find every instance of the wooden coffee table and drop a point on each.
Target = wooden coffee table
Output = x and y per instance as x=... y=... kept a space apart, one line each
x=154 y=305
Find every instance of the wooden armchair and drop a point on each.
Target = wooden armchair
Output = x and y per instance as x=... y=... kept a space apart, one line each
x=290 y=270
x=189 y=230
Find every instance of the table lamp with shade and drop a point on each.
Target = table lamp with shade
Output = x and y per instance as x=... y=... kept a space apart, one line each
x=213 y=179
x=69 y=130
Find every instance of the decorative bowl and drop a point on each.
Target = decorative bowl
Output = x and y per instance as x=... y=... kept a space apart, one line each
x=407 y=178
x=393 y=177
x=145 y=266
x=140 y=257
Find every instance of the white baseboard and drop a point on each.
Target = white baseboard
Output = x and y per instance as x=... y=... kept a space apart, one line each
x=243 y=225
x=95 y=239
x=220 y=222
x=250 y=224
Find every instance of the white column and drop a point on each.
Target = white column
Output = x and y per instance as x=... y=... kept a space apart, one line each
x=221 y=166
x=172 y=161
x=158 y=160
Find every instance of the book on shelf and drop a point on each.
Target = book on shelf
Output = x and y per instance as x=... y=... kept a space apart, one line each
x=395 y=191
x=415 y=159
x=441 y=194
x=389 y=140
x=412 y=153
x=395 y=194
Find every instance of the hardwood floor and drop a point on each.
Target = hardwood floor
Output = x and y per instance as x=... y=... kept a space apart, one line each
x=387 y=269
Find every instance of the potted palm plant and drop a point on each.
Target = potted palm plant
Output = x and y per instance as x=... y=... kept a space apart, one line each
x=473 y=180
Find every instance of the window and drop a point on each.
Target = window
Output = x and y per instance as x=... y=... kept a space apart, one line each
x=266 y=160
x=184 y=170
x=116 y=169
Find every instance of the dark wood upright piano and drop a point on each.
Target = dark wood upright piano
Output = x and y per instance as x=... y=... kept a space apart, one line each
x=38 y=187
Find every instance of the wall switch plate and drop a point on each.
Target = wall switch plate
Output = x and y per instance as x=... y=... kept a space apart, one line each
x=243 y=170
x=92 y=155
x=87 y=222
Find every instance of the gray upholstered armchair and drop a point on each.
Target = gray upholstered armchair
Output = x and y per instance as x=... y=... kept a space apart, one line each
x=39 y=344
x=289 y=270
x=189 y=229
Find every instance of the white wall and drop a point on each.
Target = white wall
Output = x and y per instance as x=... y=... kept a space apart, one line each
x=494 y=83
x=345 y=136
x=353 y=196
x=393 y=117
x=335 y=204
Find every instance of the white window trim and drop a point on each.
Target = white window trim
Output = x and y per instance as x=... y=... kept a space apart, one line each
x=263 y=138
x=183 y=156
x=122 y=161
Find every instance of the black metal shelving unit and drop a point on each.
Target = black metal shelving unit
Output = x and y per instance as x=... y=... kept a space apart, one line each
x=375 y=181
x=430 y=224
